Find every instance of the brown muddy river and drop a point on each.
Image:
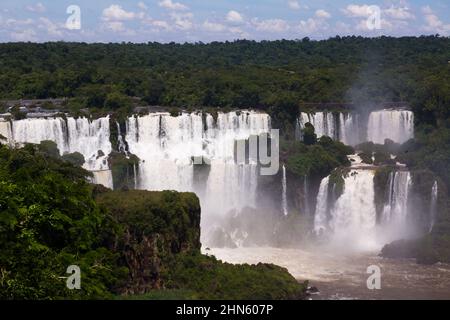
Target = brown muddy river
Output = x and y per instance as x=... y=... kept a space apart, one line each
x=344 y=275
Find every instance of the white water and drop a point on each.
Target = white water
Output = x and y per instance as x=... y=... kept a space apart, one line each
x=321 y=216
x=121 y=144
x=433 y=205
x=284 y=195
x=5 y=130
x=397 y=125
x=76 y=135
x=167 y=144
x=353 y=216
x=351 y=221
x=338 y=126
x=396 y=209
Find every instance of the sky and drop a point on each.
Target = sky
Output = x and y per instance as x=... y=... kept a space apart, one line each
x=217 y=20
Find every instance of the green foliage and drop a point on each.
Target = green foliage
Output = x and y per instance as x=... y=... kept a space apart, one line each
x=309 y=136
x=315 y=160
x=48 y=221
x=48 y=148
x=430 y=150
x=211 y=279
x=117 y=100
x=274 y=75
x=337 y=182
x=366 y=158
x=17 y=114
x=75 y=158
x=123 y=170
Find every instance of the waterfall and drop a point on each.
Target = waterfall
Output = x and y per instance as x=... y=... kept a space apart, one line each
x=166 y=146
x=90 y=138
x=397 y=125
x=353 y=215
x=321 y=215
x=284 y=196
x=396 y=208
x=324 y=123
x=121 y=144
x=5 y=131
x=350 y=220
x=349 y=129
x=433 y=205
x=38 y=130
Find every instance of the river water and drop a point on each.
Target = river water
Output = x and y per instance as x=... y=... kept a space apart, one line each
x=343 y=275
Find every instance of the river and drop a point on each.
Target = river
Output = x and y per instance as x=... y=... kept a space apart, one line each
x=343 y=275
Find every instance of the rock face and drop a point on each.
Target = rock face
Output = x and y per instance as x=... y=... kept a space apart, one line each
x=155 y=226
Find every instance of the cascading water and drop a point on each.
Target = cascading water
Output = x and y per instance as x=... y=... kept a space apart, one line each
x=90 y=138
x=121 y=144
x=5 y=131
x=396 y=208
x=340 y=126
x=166 y=146
x=284 y=191
x=351 y=219
x=321 y=216
x=353 y=215
x=394 y=217
x=397 y=125
x=433 y=205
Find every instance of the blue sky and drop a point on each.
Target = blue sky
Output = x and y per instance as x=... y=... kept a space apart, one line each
x=217 y=20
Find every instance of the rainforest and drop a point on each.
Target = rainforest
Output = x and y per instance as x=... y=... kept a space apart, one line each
x=98 y=169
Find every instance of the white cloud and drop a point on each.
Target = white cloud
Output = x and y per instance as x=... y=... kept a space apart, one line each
x=13 y=23
x=270 y=25
x=182 y=21
x=52 y=28
x=433 y=23
x=323 y=14
x=24 y=35
x=116 y=26
x=361 y=11
x=160 y=24
x=234 y=17
x=169 y=4
x=213 y=26
x=38 y=7
x=116 y=13
x=294 y=4
x=142 y=6
x=400 y=13
x=312 y=25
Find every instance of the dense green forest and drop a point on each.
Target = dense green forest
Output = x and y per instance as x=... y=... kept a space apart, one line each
x=242 y=74
x=51 y=217
x=137 y=244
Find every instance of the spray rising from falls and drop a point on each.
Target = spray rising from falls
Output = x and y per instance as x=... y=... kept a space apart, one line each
x=351 y=219
x=90 y=138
